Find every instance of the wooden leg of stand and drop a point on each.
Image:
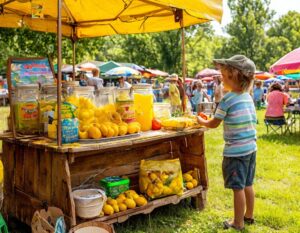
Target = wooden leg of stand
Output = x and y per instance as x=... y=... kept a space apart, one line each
x=199 y=201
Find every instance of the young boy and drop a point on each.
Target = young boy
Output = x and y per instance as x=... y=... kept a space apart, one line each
x=237 y=111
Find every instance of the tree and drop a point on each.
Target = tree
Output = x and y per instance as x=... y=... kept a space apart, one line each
x=247 y=29
x=201 y=47
x=287 y=26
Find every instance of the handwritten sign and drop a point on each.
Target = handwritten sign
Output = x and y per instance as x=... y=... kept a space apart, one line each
x=31 y=71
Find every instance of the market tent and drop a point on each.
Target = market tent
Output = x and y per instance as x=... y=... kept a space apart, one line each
x=108 y=66
x=122 y=71
x=207 y=73
x=92 y=18
x=263 y=75
x=290 y=61
x=207 y=79
x=133 y=66
x=156 y=72
x=272 y=80
x=283 y=77
x=293 y=76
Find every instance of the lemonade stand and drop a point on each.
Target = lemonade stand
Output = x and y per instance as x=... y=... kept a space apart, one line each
x=39 y=171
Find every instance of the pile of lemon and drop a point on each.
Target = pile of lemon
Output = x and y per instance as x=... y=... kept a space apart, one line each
x=127 y=200
x=190 y=179
x=98 y=122
x=160 y=183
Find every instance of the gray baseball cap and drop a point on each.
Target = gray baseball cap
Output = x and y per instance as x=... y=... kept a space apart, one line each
x=239 y=62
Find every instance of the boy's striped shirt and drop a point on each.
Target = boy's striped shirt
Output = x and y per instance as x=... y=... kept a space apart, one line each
x=239 y=116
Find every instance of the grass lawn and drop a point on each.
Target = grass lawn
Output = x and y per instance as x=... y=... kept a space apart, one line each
x=277 y=191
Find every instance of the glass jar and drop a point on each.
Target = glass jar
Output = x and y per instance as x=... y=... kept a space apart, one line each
x=47 y=103
x=68 y=88
x=162 y=110
x=143 y=104
x=86 y=92
x=104 y=96
x=124 y=104
x=26 y=108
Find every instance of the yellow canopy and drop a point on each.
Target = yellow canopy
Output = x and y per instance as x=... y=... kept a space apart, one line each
x=92 y=18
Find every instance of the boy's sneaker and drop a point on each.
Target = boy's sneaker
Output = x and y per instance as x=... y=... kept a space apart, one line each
x=249 y=221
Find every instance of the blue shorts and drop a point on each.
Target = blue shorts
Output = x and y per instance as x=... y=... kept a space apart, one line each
x=239 y=172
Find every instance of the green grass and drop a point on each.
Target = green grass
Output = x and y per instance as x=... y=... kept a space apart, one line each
x=277 y=191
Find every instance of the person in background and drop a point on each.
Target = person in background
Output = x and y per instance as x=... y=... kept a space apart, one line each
x=174 y=95
x=237 y=111
x=218 y=90
x=276 y=100
x=286 y=87
x=82 y=79
x=123 y=83
x=198 y=96
x=95 y=81
x=210 y=89
x=258 y=94
x=180 y=86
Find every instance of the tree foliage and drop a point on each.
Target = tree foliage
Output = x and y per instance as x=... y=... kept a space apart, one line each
x=247 y=29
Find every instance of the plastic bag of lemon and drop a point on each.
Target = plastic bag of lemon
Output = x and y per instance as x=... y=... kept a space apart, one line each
x=160 y=178
x=98 y=122
x=126 y=200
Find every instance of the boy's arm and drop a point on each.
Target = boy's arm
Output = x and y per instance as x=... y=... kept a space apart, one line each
x=212 y=123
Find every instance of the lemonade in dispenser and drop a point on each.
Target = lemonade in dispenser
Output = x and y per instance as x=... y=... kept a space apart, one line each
x=143 y=104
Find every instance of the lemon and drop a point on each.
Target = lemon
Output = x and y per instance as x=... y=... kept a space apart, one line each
x=130 y=203
x=194 y=182
x=187 y=177
x=111 y=201
x=94 y=132
x=189 y=185
x=159 y=185
x=131 y=128
x=84 y=127
x=164 y=177
x=140 y=201
x=84 y=114
x=108 y=209
x=149 y=193
x=116 y=129
x=122 y=130
x=153 y=176
x=104 y=130
x=98 y=112
x=116 y=208
x=167 y=191
x=122 y=207
x=121 y=198
x=144 y=181
x=83 y=134
x=110 y=132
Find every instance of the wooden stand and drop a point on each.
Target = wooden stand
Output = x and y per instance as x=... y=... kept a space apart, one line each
x=37 y=172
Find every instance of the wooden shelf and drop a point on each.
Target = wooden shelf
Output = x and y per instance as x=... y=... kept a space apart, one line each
x=124 y=215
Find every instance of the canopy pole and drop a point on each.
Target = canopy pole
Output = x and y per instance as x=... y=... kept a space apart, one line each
x=59 y=63
x=183 y=63
x=73 y=58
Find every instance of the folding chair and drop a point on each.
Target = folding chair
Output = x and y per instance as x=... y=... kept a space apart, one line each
x=279 y=125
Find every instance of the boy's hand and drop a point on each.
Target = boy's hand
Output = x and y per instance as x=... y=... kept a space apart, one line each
x=211 y=123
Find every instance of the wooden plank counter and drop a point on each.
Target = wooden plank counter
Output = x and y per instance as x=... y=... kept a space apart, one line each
x=36 y=171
